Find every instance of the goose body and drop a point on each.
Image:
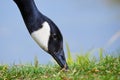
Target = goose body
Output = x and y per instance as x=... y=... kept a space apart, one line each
x=43 y=30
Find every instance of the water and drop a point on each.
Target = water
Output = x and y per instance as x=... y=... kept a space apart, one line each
x=84 y=24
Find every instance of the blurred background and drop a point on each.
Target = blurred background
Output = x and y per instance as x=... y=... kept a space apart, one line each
x=85 y=25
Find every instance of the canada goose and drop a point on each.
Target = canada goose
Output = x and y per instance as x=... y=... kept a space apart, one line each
x=43 y=31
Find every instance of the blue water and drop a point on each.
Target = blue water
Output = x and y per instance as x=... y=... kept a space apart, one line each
x=84 y=24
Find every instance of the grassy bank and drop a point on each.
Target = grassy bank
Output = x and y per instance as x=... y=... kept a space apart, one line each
x=82 y=68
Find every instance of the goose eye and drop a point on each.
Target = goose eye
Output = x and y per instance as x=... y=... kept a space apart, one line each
x=54 y=36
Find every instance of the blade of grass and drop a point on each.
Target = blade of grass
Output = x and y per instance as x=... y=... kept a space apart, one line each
x=69 y=59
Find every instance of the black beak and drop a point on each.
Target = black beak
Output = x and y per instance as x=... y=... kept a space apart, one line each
x=60 y=58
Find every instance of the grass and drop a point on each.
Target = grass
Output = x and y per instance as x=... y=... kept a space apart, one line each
x=83 y=67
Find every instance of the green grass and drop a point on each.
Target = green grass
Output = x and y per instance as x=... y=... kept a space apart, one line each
x=83 y=67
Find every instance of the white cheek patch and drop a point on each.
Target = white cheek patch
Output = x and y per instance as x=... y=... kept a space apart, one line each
x=42 y=35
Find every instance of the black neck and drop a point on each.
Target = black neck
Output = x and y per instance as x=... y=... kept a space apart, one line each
x=28 y=10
